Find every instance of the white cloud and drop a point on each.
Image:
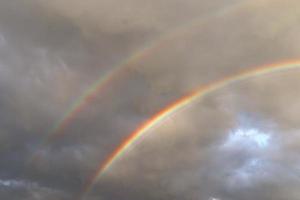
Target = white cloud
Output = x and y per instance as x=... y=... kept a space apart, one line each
x=248 y=137
x=17 y=183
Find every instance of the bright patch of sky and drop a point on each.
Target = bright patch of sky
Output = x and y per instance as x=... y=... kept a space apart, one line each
x=248 y=137
x=212 y=198
x=16 y=183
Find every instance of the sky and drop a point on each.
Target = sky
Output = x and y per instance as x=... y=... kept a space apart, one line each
x=237 y=142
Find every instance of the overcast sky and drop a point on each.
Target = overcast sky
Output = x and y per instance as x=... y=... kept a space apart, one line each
x=240 y=142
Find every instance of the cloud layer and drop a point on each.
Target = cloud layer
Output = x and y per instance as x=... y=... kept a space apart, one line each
x=237 y=143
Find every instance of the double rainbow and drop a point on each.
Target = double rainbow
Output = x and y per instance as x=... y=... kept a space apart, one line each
x=117 y=71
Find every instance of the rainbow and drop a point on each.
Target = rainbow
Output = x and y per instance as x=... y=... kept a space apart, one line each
x=175 y=107
x=117 y=71
x=98 y=86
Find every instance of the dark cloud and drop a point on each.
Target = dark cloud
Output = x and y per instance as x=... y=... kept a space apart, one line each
x=238 y=142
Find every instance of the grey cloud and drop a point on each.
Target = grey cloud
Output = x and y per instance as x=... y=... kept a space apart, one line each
x=115 y=16
x=51 y=52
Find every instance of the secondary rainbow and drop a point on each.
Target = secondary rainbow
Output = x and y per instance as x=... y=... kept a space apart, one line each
x=121 y=68
x=176 y=106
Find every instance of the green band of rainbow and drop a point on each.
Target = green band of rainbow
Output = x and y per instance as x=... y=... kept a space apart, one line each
x=176 y=106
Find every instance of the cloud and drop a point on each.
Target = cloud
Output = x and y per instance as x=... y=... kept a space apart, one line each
x=253 y=137
x=21 y=189
x=239 y=142
x=115 y=16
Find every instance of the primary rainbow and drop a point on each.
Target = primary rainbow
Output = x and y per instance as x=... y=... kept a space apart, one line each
x=176 y=106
